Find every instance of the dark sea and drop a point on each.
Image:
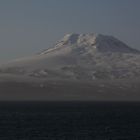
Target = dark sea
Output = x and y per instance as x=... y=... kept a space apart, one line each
x=70 y=120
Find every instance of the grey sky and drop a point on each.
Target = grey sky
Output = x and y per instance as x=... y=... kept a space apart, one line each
x=29 y=26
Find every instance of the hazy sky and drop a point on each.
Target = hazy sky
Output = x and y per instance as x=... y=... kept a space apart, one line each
x=29 y=26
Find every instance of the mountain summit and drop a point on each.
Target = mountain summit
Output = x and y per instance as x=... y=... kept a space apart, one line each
x=81 y=57
x=94 y=42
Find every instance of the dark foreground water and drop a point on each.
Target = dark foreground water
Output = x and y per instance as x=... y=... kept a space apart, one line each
x=69 y=121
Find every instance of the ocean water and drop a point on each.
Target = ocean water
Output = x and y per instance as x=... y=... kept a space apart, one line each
x=69 y=121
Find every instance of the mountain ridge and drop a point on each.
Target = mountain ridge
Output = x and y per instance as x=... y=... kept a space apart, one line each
x=83 y=57
x=95 y=40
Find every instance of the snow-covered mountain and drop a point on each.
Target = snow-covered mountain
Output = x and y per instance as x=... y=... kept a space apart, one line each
x=80 y=56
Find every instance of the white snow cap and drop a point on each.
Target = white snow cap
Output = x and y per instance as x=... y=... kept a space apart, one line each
x=79 y=38
x=102 y=43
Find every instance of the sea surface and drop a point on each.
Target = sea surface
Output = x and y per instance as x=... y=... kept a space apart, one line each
x=70 y=120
